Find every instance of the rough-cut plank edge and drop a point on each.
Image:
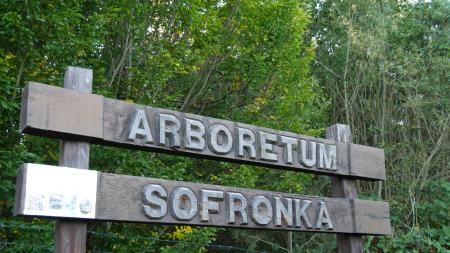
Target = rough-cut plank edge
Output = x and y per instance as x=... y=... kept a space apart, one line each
x=21 y=180
x=364 y=222
x=209 y=225
x=86 y=111
x=373 y=161
x=23 y=107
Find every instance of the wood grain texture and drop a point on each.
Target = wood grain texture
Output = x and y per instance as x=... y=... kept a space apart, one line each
x=48 y=110
x=367 y=159
x=62 y=113
x=119 y=198
x=19 y=199
x=70 y=236
x=365 y=223
x=347 y=188
x=74 y=154
x=79 y=79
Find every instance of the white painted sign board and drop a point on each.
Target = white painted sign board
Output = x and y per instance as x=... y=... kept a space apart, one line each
x=59 y=191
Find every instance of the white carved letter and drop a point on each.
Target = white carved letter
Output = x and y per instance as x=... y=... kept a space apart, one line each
x=237 y=203
x=207 y=205
x=327 y=158
x=311 y=161
x=301 y=214
x=323 y=217
x=288 y=143
x=195 y=131
x=282 y=210
x=261 y=210
x=184 y=204
x=246 y=139
x=154 y=203
x=138 y=130
x=169 y=126
x=267 y=141
x=220 y=139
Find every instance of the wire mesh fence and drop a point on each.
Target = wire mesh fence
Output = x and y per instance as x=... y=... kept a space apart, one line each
x=28 y=237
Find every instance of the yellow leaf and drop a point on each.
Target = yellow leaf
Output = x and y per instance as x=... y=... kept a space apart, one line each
x=180 y=232
x=10 y=56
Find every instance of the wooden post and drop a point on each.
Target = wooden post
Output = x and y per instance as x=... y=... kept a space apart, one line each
x=344 y=188
x=289 y=242
x=70 y=236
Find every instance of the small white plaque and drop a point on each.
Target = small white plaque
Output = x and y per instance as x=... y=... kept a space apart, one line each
x=60 y=191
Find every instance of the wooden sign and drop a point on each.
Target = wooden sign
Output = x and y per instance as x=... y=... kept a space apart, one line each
x=51 y=191
x=74 y=196
x=69 y=114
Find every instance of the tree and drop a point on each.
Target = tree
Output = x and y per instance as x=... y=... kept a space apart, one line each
x=385 y=63
x=239 y=60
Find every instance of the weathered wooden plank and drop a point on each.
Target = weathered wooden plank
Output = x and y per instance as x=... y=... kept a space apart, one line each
x=19 y=198
x=347 y=188
x=121 y=200
x=111 y=122
x=124 y=198
x=70 y=236
x=366 y=223
x=367 y=159
x=48 y=110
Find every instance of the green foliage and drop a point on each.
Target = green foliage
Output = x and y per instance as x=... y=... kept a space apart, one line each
x=195 y=241
x=432 y=231
x=380 y=66
x=20 y=236
x=239 y=60
x=386 y=64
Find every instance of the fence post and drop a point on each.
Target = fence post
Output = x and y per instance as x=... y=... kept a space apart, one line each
x=70 y=236
x=344 y=188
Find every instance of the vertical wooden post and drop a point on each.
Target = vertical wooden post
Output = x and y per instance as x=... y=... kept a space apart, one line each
x=70 y=236
x=289 y=242
x=344 y=188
